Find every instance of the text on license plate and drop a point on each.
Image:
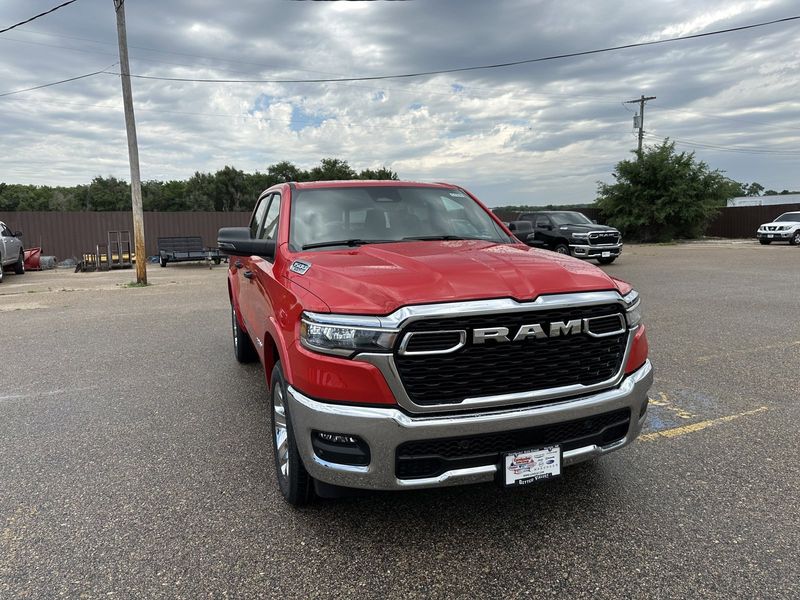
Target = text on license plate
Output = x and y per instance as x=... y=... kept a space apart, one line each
x=529 y=466
x=606 y=254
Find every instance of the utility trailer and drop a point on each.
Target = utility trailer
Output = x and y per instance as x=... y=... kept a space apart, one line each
x=184 y=249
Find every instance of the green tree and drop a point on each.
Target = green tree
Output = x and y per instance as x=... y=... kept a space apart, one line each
x=665 y=195
x=753 y=189
x=286 y=171
x=332 y=169
x=382 y=173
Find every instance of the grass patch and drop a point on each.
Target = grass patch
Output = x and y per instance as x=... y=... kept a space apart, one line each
x=133 y=284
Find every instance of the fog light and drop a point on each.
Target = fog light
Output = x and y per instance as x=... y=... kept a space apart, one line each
x=340 y=448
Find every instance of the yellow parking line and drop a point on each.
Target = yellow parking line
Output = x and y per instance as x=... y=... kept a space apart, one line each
x=684 y=429
x=781 y=346
x=662 y=400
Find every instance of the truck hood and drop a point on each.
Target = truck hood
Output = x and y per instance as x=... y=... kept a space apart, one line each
x=377 y=279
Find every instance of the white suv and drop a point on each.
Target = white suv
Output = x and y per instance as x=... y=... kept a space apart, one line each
x=11 y=251
x=785 y=228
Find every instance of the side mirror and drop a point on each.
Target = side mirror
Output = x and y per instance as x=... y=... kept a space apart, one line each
x=236 y=241
x=594 y=221
x=17 y=234
x=512 y=226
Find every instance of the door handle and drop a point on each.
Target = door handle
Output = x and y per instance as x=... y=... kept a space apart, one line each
x=238 y=264
x=248 y=274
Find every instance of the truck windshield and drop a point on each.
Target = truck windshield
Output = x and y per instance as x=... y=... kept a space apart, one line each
x=570 y=218
x=788 y=217
x=331 y=217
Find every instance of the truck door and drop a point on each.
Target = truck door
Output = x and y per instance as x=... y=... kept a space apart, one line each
x=257 y=279
x=543 y=231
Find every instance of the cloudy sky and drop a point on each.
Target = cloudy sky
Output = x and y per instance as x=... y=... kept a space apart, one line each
x=531 y=134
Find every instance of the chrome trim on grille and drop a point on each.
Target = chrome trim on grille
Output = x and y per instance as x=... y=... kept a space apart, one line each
x=402 y=350
x=402 y=317
x=588 y=326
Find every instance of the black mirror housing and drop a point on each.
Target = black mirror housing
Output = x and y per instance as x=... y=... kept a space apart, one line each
x=17 y=234
x=236 y=241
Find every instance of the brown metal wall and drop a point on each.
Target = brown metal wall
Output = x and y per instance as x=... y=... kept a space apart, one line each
x=70 y=234
x=742 y=221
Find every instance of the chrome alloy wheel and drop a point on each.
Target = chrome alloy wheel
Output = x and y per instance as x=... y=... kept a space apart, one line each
x=235 y=326
x=281 y=432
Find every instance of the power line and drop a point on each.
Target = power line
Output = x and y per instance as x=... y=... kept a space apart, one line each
x=34 y=17
x=104 y=70
x=739 y=149
x=479 y=67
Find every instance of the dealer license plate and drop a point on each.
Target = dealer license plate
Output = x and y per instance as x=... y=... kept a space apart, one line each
x=530 y=466
x=606 y=254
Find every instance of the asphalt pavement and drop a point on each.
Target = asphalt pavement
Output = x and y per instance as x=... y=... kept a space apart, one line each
x=135 y=459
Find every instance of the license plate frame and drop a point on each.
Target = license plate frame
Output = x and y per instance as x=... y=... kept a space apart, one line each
x=605 y=255
x=536 y=465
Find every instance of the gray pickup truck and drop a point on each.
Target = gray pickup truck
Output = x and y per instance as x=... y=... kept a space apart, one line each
x=11 y=254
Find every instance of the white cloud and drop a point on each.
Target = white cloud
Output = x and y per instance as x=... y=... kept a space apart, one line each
x=539 y=133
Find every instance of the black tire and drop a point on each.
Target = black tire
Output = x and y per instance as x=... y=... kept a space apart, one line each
x=163 y=262
x=1 y=268
x=765 y=242
x=243 y=348
x=561 y=248
x=294 y=481
x=217 y=261
x=607 y=261
x=795 y=239
x=19 y=266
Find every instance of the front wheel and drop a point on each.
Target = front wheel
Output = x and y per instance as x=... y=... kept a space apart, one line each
x=242 y=345
x=19 y=266
x=765 y=242
x=607 y=261
x=795 y=239
x=561 y=249
x=293 y=480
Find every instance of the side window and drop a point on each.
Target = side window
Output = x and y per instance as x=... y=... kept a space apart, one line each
x=270 y=229
x=258 y=216
x=542 y=222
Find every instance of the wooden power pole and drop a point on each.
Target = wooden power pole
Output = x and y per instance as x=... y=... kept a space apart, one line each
x=641 y=102
x=133 y=147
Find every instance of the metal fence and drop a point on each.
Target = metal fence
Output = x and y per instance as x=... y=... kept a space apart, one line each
x=742 y=221
x=70 y=234
x=731 y=222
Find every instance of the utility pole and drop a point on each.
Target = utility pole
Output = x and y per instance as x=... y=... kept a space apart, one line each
x=641 y=102
x=133 y=147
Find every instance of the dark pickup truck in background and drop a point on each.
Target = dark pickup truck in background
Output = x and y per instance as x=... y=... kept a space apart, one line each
x=568 y=232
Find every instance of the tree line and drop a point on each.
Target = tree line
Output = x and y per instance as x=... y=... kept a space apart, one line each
x=229 y=189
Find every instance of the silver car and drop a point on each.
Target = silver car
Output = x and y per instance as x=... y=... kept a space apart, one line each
x=11 y=254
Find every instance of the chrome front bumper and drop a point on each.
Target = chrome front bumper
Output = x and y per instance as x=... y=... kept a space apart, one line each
x=384 y=429
x=594 y=251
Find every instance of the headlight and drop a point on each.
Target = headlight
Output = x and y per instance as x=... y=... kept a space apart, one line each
x=343 y=339
x=783 y=227
x=580 y=236
x=633 y=314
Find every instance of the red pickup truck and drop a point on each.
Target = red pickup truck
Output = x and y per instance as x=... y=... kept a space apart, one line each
x=409 y=340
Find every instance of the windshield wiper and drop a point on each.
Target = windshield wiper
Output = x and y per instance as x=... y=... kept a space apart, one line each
x=424 y=238
x=350 y=242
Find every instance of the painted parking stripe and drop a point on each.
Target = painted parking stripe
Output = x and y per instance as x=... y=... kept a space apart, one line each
x=684 y=429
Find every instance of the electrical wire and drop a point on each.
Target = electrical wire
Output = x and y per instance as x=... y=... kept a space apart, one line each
x=34 y=17
x=722 y=148
x=102 y=71
x=475 y=68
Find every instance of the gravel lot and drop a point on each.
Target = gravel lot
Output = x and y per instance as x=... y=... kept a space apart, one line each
x=135 y=458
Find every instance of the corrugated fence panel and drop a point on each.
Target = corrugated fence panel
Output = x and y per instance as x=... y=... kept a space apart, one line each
x=742 y=221
x=70 y=234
